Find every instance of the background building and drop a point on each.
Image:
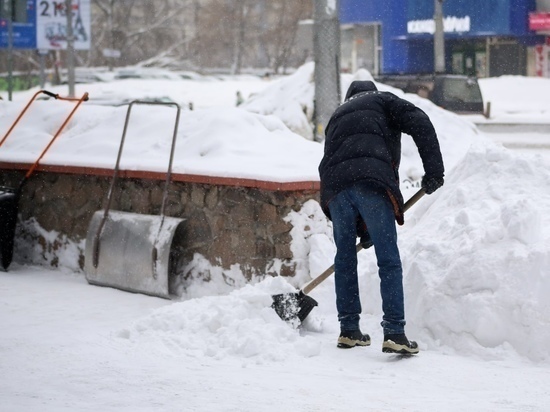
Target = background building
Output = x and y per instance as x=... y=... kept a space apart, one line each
x=489 y=38
x=539 y=21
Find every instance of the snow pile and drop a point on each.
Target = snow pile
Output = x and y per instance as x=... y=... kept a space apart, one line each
x=290 y=99
x=478 y=257
x=237 y=143
x=38 y=246
x=202 y=278
x=241 y=324
x=212 y=142
x=526 y=98
x=312 y=242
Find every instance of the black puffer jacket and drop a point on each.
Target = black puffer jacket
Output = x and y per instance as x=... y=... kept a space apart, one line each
x=363 y=143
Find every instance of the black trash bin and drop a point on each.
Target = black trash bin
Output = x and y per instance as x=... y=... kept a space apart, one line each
x=9 y=198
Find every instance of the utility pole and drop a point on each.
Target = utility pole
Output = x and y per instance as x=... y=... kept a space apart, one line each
x=9 y=7
x=70 y=46
x=111 y=36
x=42 y=60
x=326 y=47
x=439 y=38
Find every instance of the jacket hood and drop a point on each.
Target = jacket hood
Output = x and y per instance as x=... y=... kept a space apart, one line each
x=360 y=86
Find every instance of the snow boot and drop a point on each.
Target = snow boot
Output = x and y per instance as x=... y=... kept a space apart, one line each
x=398 y=343
x=351 y=338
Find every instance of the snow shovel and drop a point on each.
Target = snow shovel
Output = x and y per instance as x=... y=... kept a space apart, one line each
x=298 y=305
x=130 y=251
x=9 y=196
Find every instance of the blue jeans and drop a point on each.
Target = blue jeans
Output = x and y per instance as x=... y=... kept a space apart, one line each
x=376 y=210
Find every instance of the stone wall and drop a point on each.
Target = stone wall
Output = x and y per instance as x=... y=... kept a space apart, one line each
x=226 y=224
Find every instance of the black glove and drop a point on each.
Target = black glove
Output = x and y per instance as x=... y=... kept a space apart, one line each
x=430 y=183
x=363 y=234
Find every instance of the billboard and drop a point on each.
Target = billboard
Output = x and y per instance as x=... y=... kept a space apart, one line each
x=45 y=27
x=51 y=24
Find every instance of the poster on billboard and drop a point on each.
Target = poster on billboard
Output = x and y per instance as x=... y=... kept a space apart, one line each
x=51 y=24
x=542 y=60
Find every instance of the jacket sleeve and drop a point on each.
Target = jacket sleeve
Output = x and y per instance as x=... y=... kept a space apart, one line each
x=409 y=119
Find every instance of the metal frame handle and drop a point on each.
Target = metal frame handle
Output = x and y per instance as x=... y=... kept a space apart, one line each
x=56 y=135
x=116 y=173
x=55 y=96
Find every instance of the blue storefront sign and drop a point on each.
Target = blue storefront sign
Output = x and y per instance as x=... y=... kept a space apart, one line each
x=24 y=33
x=489 y=17
x=45 y=26
x=407 y=27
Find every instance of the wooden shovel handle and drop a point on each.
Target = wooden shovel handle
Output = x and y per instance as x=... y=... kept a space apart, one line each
x=329 y=271
x=315 y=282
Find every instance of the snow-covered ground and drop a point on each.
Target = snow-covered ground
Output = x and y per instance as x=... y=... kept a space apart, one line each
x=476 y=256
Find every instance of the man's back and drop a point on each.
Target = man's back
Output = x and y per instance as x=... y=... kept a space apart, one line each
x=363 y=143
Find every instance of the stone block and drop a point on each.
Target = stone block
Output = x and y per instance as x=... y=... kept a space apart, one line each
x=234 y=195
x=156 y=193
x=197 y=195
x=198 y=232
x=288 y=268
x=242 y=214
x=265 y=249
x=79 y=197
x=279 y=227
x=173 y=209
x=267 y=213
x=63 y=187
x=283 y=251
x=211 y=199
x=183 y=195
x=139 y=201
